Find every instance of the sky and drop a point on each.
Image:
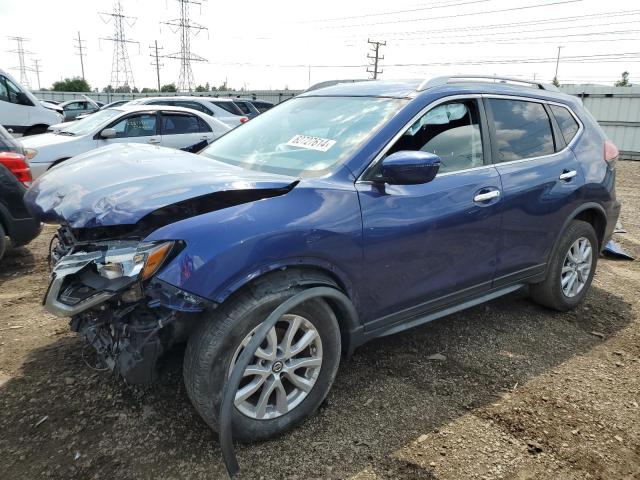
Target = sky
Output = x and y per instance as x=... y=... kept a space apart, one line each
x=293 y=44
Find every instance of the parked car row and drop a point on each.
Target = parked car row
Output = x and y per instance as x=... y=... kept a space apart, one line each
x=167 y=126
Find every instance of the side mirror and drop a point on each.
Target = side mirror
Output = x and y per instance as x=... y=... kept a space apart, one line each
x=22 y=99
x=108 y=133
x=410 y=167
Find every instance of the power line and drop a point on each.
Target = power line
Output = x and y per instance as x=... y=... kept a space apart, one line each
x=22 y=65
x=121 y=73
x=411 y=10
x=156 y=63
x=81 y=49
x=185 y=26
x=457 y=15
x=375 y=58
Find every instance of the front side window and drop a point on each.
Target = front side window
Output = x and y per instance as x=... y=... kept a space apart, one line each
x=75 y=106
x=523 y=129
x=4 y=93
x=305 y=136
x=12 y=90
x=177 y=124
x=567 y=123
x=143 y=125
x=451 y=131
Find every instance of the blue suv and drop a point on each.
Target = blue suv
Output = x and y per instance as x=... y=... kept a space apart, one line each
x=378 y=205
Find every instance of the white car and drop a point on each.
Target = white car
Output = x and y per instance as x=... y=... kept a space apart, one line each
x=20 y=112
x=167 y=126
x=221 y=108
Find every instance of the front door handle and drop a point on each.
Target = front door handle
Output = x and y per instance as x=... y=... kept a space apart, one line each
x=567 y=174
x=486 y=196
x=154 y=140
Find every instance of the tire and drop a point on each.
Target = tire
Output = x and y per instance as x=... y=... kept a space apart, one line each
x=549 y=292
x=215 y=344
x=36 y=130
x=3 y=241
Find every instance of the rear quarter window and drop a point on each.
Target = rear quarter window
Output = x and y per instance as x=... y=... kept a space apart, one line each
x=567 y=123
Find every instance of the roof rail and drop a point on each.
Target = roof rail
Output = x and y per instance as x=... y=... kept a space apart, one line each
x=439 y=81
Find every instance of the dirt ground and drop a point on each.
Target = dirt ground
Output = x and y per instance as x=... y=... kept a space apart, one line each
x=515 y=392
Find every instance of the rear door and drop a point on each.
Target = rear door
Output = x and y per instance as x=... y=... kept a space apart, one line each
x=183 y=130
x=540 y=178
x=432 y=245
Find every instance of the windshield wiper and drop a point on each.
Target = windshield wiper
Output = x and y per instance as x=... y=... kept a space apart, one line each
x=66 y=132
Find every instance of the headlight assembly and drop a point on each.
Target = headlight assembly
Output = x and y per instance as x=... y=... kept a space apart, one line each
x=141 y=261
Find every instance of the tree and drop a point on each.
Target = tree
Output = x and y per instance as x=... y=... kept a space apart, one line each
x=556 y=82
x=75 y=84
x=170 y=87
x=624 y=81
x=149 y=90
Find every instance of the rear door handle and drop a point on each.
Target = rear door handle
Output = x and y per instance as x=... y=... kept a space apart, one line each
x=486 y=196
x=567 y=174
x=154 y=140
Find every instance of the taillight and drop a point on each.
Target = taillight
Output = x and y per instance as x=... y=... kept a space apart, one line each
x=610 y=151
x=17 y=165
x=243 y=119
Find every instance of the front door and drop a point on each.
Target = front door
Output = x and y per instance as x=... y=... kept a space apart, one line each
x=427 y=246
x=135 y=128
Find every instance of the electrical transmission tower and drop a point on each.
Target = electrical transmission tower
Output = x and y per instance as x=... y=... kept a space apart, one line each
x=156 y=62
x=121 y=73
x=373 y=68
x=36 y=68
x=81 y=52
x=22 y=65
x=185 y=27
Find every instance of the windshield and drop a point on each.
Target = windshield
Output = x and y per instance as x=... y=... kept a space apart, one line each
x=304 y=136
x=90 y=123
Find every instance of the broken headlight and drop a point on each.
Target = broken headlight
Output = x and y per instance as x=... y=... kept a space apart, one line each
x=141 y=261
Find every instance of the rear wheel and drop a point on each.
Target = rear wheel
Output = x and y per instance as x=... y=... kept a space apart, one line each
x=570 y=270
x=288 y=377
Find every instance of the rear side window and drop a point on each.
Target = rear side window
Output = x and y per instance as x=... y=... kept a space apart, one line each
x=243 y=106
x=229 y=107
x=262 y=106
x=176 y=124
x=204 y=126
x=523 y=129
x=194 y=106
x=567 y=123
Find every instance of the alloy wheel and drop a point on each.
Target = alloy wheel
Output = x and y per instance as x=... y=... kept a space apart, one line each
x=576 y=267
x=283 y=370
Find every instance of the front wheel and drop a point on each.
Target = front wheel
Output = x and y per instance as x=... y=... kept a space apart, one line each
x=288 y=377
x=570 y=269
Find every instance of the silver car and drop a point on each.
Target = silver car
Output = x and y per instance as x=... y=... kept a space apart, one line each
x=174 y=127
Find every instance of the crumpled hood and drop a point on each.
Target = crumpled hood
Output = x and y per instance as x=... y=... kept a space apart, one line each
x=120 y=184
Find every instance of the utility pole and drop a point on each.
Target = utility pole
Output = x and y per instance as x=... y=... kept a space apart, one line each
x=156 y=63
x=184 y=25
x=80 y=53
x=36 y=68
x=22 y=66
x=121 y=73
x=557 y=63
x=375 y=58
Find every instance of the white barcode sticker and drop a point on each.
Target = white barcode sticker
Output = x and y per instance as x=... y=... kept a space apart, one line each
x=311 y=143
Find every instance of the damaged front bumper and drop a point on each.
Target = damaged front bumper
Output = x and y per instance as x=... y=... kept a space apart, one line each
x=126 y=315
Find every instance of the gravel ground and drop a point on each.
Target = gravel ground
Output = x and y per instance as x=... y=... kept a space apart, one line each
x=514 y=392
